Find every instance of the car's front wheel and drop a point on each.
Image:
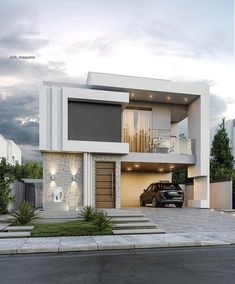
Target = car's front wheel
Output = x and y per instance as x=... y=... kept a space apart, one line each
x=142 y=203
x=155 y=202
x=179 y=205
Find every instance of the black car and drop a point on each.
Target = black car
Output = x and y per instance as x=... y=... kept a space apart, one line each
x=160 y=194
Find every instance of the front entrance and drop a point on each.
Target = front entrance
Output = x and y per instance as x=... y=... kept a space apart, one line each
x=105 y=185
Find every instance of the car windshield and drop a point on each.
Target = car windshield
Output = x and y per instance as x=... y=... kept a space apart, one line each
x=169 y=186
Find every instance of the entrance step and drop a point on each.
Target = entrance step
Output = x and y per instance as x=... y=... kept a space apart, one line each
x=135 y=225
x=138 y=231
x=125 y=215
x=14 y=234
x=129 y=219
x=18 y=228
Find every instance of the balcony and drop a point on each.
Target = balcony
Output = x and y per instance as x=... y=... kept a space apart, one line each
x=158 y=141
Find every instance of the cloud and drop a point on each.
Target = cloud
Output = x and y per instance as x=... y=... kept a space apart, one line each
x=218 y=107
x=30 y=152
x=19 y=118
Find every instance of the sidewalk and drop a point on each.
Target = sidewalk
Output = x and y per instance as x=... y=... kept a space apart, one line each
x=113 y=242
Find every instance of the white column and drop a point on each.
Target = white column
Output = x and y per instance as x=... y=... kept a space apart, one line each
x=87 y=177
x=198 y=129
x=85 y=203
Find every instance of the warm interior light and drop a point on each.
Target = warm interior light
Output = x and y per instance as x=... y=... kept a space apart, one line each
x=136 y=166
x=129 y=168
x=161 y=170
x=132 y=94
x=168 y=98
x=151 y=96
x=171 y=167
x=185 y=99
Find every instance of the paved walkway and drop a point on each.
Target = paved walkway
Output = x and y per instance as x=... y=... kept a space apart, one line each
x=183 y=226
x=187 y=220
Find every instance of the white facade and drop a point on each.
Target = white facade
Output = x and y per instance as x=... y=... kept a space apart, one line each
x=155 y=149
x=10 y=151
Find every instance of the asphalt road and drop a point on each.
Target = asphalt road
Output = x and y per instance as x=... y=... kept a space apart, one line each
x=183 y=265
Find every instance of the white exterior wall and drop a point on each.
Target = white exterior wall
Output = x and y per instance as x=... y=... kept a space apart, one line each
x=54 y=119
x=221 y=195
x=10 y=151
x=198 y=129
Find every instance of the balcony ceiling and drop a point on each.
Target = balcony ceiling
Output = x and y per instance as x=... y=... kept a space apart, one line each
x=162 y=97
x=151 y=167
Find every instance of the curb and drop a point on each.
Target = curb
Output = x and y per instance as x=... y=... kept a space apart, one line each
x=111 y=242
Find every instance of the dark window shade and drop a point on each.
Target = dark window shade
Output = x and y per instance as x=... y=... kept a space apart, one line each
x=94 y=122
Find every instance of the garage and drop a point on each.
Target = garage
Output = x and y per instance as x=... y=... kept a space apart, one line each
x=136 y=177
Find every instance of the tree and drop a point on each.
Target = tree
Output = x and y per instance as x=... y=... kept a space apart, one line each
x=6 y=178
x=222 y=161
x=30 y=169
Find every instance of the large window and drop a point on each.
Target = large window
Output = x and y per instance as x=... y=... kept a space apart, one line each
x=94 y=122
x=137 y=125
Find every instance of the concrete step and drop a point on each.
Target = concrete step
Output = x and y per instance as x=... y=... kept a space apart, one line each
x=18 y=228
x=138 y=231
x=129 y=219
x=125 y=215
x=14 y=234
x=135 y=225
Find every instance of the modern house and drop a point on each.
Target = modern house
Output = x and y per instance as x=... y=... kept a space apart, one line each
x=9 y=151
x=104 y=142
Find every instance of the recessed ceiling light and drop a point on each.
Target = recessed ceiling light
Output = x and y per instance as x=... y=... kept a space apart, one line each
x=132 y=94
x=129 y=168
x=136 y=166
x=168 y=98
x=185 y=99
x=150 y=96
x=161 y=170
x=172 y=167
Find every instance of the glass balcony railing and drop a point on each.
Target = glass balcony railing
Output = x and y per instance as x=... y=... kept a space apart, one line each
x=158 y=141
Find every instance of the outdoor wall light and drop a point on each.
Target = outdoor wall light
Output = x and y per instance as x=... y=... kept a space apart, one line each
x=73 y=177
x=52 y=177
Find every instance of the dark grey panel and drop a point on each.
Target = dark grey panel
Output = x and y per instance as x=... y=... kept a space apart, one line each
x=94 y=122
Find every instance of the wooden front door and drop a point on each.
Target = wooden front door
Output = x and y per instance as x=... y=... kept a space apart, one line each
x=105 y=185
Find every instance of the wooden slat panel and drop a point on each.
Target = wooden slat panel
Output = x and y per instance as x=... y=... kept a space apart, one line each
x=103 y=177
x=104 y=171
x=103 y=191
x=103 y=184
x=101 y=204
x=104 y=198
x=107 y=165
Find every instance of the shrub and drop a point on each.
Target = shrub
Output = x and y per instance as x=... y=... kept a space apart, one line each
x=25 y=213
x=103 y=221
x=88 y=213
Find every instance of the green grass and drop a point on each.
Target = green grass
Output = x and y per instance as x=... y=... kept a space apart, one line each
x=71 y=228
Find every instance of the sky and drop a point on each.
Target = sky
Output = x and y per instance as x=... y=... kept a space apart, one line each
x=180 y=40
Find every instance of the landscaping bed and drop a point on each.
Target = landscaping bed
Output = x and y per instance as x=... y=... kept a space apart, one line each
x=70 y=228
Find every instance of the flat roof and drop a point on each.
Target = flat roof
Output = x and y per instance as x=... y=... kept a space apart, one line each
x=132 y=83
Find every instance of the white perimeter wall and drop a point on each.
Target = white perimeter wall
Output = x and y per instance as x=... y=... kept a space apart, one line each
x=220 y=195
x=133 y=184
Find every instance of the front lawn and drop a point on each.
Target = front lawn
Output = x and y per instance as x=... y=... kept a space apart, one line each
x=71 y=228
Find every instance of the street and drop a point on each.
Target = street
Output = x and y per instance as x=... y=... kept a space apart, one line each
x=183 y=265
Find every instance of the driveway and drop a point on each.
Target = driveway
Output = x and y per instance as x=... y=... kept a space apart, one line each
x=188 y=220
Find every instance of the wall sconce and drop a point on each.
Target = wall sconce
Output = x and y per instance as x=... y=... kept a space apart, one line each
x=73 y=177
x=52 y=177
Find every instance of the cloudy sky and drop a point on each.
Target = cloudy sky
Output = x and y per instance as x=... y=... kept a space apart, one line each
x=183 y=40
